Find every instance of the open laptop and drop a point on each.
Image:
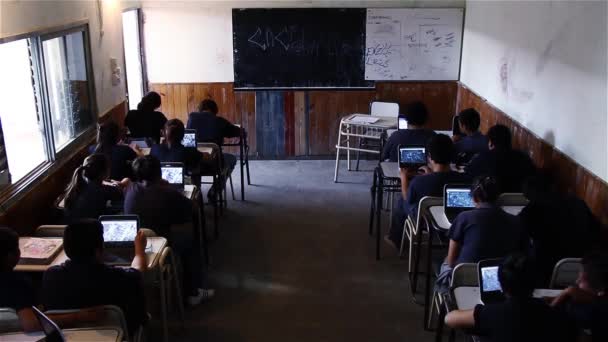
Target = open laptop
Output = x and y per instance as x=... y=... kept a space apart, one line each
x=52 y=333
x=189 y=139
x=173 y=173
x=412 y=156
x=490 y=290
x=119 y=232
x=456 y=199
x=401 y=122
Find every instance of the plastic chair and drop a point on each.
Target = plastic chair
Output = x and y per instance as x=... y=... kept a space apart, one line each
x=565 y=273
x=113 y=317
x=50 y=231
x=9 y=321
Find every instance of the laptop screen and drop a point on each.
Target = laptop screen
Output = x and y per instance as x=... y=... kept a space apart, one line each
x=402 y=123
x=119 y=230
x=412 y=155
x=490 y=282
x=189 y=139
x=459 y=198
x=173 y=174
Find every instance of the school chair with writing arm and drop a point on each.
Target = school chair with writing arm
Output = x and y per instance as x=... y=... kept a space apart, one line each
x=169 y=285
x=211 y=167
x=9 y=321
x=378 y=108
x=49 y=230
x=565 y=273
x=512 y=199
x=413 y=228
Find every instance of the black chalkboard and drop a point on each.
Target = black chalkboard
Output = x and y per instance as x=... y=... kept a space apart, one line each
x=299 y=48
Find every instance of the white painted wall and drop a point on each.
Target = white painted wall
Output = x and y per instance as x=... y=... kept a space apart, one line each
x=18 y=17
x=545 y=65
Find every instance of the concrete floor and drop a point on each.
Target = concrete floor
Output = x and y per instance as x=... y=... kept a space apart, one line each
x=294 y=263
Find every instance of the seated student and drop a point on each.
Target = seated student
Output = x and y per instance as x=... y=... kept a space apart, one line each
x=415 y=134
x=587 y=302
x=482 y=233
x=510 y=167
x=472 y=141
x=560 y=225
x=172 y=150
x=119 y=155
x=164 y=210
x=145 y=121
x=87 y=195
x=84 y=280
x=437 y=175
x=520 y=317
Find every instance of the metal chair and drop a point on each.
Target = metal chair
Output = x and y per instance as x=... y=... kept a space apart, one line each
x=378 y=108
x=565 y=273
x=112 y=317
x=215 y=173
x=411 y=229
x=9 y=321
x=169 y=283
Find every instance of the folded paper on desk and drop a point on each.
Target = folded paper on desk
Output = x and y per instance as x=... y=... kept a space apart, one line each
x=364 y=119
x=37 y=251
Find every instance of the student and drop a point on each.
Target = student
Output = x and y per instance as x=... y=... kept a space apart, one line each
x=172 y=150
x=587 y=302
x=85 y=281
x=440 y=151
x=165 y=210
x=472 y=141
x=87 y=195
x=120 y=155
x=482 y=233
x=510 y=167
x=520 y=317
x=415 y=134
x=146 y=122
x=560 y=225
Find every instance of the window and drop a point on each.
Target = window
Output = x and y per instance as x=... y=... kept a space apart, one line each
x=46 y=97
x=133 y=57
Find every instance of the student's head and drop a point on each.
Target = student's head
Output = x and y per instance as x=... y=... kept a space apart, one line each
x=147 y=169
x=9 y=249
x=516 y=275
x=94 y=169
x=174 y=131
x=440 y=149
x=499 y=138
x=150 y=102
x=83 y=240
x=485 y=190
x=416 y=114
x=208 y=105
x=594 y=275
x=108 y=135
x=469 y=121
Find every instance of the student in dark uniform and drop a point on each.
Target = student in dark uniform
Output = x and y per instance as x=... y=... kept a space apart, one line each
x=510 y=167
x=560 y=225
x=415 y=134
x=438 y=173
x=520 y=317
x=172 y=150
x=471 y=142
x=482 y=233
x=145 y=121
x=87 y=194
x=119 y=155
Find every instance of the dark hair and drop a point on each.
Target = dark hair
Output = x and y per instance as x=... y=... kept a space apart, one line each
x=93 y=169
x=82 y=238
x=470 y=119
x=500 y=137
x=107 y=137
x=174 y=131
x=440 y=148
x=150 y=102
x=9 y=244
x=537 y=187
x=416 y=113
x=208 y=105
x=147 y=168
x=516 y=275
x=485 y=189
x=595 y=266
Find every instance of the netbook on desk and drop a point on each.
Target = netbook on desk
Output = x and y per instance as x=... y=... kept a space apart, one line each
x=189 y=139
x=174 y=174
x=119 y=232
x=412 y=156
x=456 y=199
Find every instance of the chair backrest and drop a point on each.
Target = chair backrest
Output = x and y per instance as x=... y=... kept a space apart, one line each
x=148 y=232
x=112 y=317
x=9 y=321
x=512 y=199
x=378 y=108
x=464 y=274
x=50 y=231
x=423 y=209
x=565 y=273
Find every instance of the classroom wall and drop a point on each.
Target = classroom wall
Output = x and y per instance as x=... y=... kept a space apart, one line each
x=544 y=64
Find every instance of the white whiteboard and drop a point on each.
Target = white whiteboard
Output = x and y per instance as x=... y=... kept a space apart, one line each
x=413 y=43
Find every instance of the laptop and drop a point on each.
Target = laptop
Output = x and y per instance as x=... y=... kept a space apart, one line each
x=490 y=290
x=412 y=156
x=52 y=333
x=401 y=122
x=173 y=173
x=456 y=199
x=140 y=142
x=119 y=232
x=189 y=139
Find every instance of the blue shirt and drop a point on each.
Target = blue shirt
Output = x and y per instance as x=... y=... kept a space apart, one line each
x=510 y=167
x=120 y=157
x=92 y=201
x=471 y=144
x=405 y=137
x=211 y=128
x=430 y=185
x=487 y=232
x=177 y=154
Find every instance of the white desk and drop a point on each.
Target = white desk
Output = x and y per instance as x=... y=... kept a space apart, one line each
x=441 y=221
x=104 y=334
x=468 y=297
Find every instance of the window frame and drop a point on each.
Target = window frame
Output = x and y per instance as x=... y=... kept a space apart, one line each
x=55 y=159
x=142 y=53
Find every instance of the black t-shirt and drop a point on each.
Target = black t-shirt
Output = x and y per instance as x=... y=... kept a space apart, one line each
x=211 y=128
x=522 y=320
x=92 y=201
x=145 y=124
x=430 y=185
x=510 y=167
x=17 y=292
x=80 y=285
x=120 y=157
x=177 y=154
x=405 y=137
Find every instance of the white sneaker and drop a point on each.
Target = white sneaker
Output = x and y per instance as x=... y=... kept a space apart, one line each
x=203 y=295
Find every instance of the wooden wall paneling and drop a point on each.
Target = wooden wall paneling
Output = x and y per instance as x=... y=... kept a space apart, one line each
x=245 y=107
x=440 y=99
x=270 y=123
x=400 y=92
x=289 y=129
x=300 y=122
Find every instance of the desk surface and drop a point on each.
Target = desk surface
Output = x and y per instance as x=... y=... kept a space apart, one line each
x=390 y=169
x=441 y=221
x=155 y=246
x=467 y=297
x=104 y=334
x=385 y=122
